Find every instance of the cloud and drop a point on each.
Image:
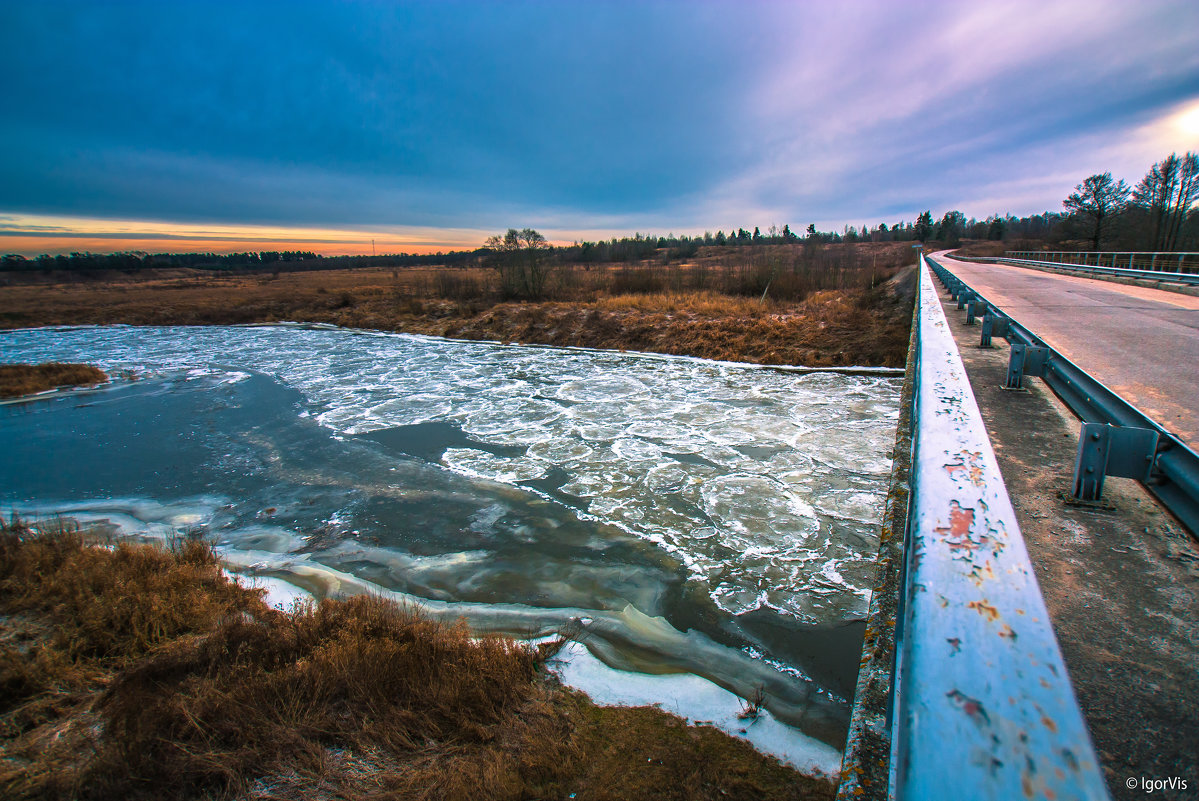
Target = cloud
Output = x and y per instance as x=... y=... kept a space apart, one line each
x=866 y=115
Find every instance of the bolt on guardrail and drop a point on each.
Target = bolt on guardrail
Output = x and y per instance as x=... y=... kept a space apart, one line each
x=994 y=325
x=1107 y=450
x=1025 y=360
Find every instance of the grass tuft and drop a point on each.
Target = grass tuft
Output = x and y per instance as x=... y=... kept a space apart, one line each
x=25 y=379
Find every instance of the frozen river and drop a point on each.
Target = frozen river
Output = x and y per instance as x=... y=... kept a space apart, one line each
x=680 y=517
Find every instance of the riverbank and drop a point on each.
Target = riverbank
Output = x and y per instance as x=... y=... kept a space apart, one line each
x=17 y=380
x=857 y=322
x=131 y=671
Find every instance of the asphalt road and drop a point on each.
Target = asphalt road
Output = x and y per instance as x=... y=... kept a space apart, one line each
x=1142 y=343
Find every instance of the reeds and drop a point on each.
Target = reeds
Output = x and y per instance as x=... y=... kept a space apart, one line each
x=25 y=379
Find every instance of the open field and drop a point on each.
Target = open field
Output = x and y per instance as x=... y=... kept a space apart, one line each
x=134 y=672
x=829 y=305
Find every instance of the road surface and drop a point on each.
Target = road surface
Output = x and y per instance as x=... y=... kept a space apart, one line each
x=1142 y=343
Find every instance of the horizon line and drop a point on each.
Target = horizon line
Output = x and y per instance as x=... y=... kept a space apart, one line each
x=33 y=235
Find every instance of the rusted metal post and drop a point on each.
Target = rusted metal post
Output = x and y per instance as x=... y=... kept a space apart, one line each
x=1025 y=360
x=1107 y=450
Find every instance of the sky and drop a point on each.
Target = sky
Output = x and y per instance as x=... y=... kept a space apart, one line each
x=424 y=126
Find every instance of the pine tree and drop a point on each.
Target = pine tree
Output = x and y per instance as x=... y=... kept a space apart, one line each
x=924 y=225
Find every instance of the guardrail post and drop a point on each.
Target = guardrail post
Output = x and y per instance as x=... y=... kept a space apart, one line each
x=1107 y=450
x=1025 y=360
x=963 y=296
x=970 y=307
x=992 y=326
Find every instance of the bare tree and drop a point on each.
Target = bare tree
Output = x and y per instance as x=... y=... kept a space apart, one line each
x=1167 y=193
x=1096 y=201
x=523 y=261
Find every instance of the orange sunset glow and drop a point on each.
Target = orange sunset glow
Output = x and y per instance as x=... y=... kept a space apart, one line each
x=32 y=235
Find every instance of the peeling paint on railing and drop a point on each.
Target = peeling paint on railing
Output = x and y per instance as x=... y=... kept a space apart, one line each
x=983 y=705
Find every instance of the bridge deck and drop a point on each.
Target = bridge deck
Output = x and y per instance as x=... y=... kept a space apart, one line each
x=1121 y=587
x=1142 y=343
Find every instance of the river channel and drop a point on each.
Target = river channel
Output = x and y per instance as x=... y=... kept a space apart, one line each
x=702 y=530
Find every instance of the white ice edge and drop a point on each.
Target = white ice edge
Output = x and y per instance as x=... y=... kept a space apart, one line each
x=280 y=594
x=696 y=700
x=690 y=697
x=686 y=695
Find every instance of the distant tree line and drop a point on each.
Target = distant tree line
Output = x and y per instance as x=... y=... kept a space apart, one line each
x=951 y=228
x=1159 y=213
x=263 y=261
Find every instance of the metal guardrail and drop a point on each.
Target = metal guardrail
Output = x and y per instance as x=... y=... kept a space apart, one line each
x=1159 y=276
x=981 y=706
x=1142 y=260
x=1171 y=473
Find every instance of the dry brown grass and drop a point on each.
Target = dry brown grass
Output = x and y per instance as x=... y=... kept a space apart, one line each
x=25 y=379
x=128 y=671
x=710 y=307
